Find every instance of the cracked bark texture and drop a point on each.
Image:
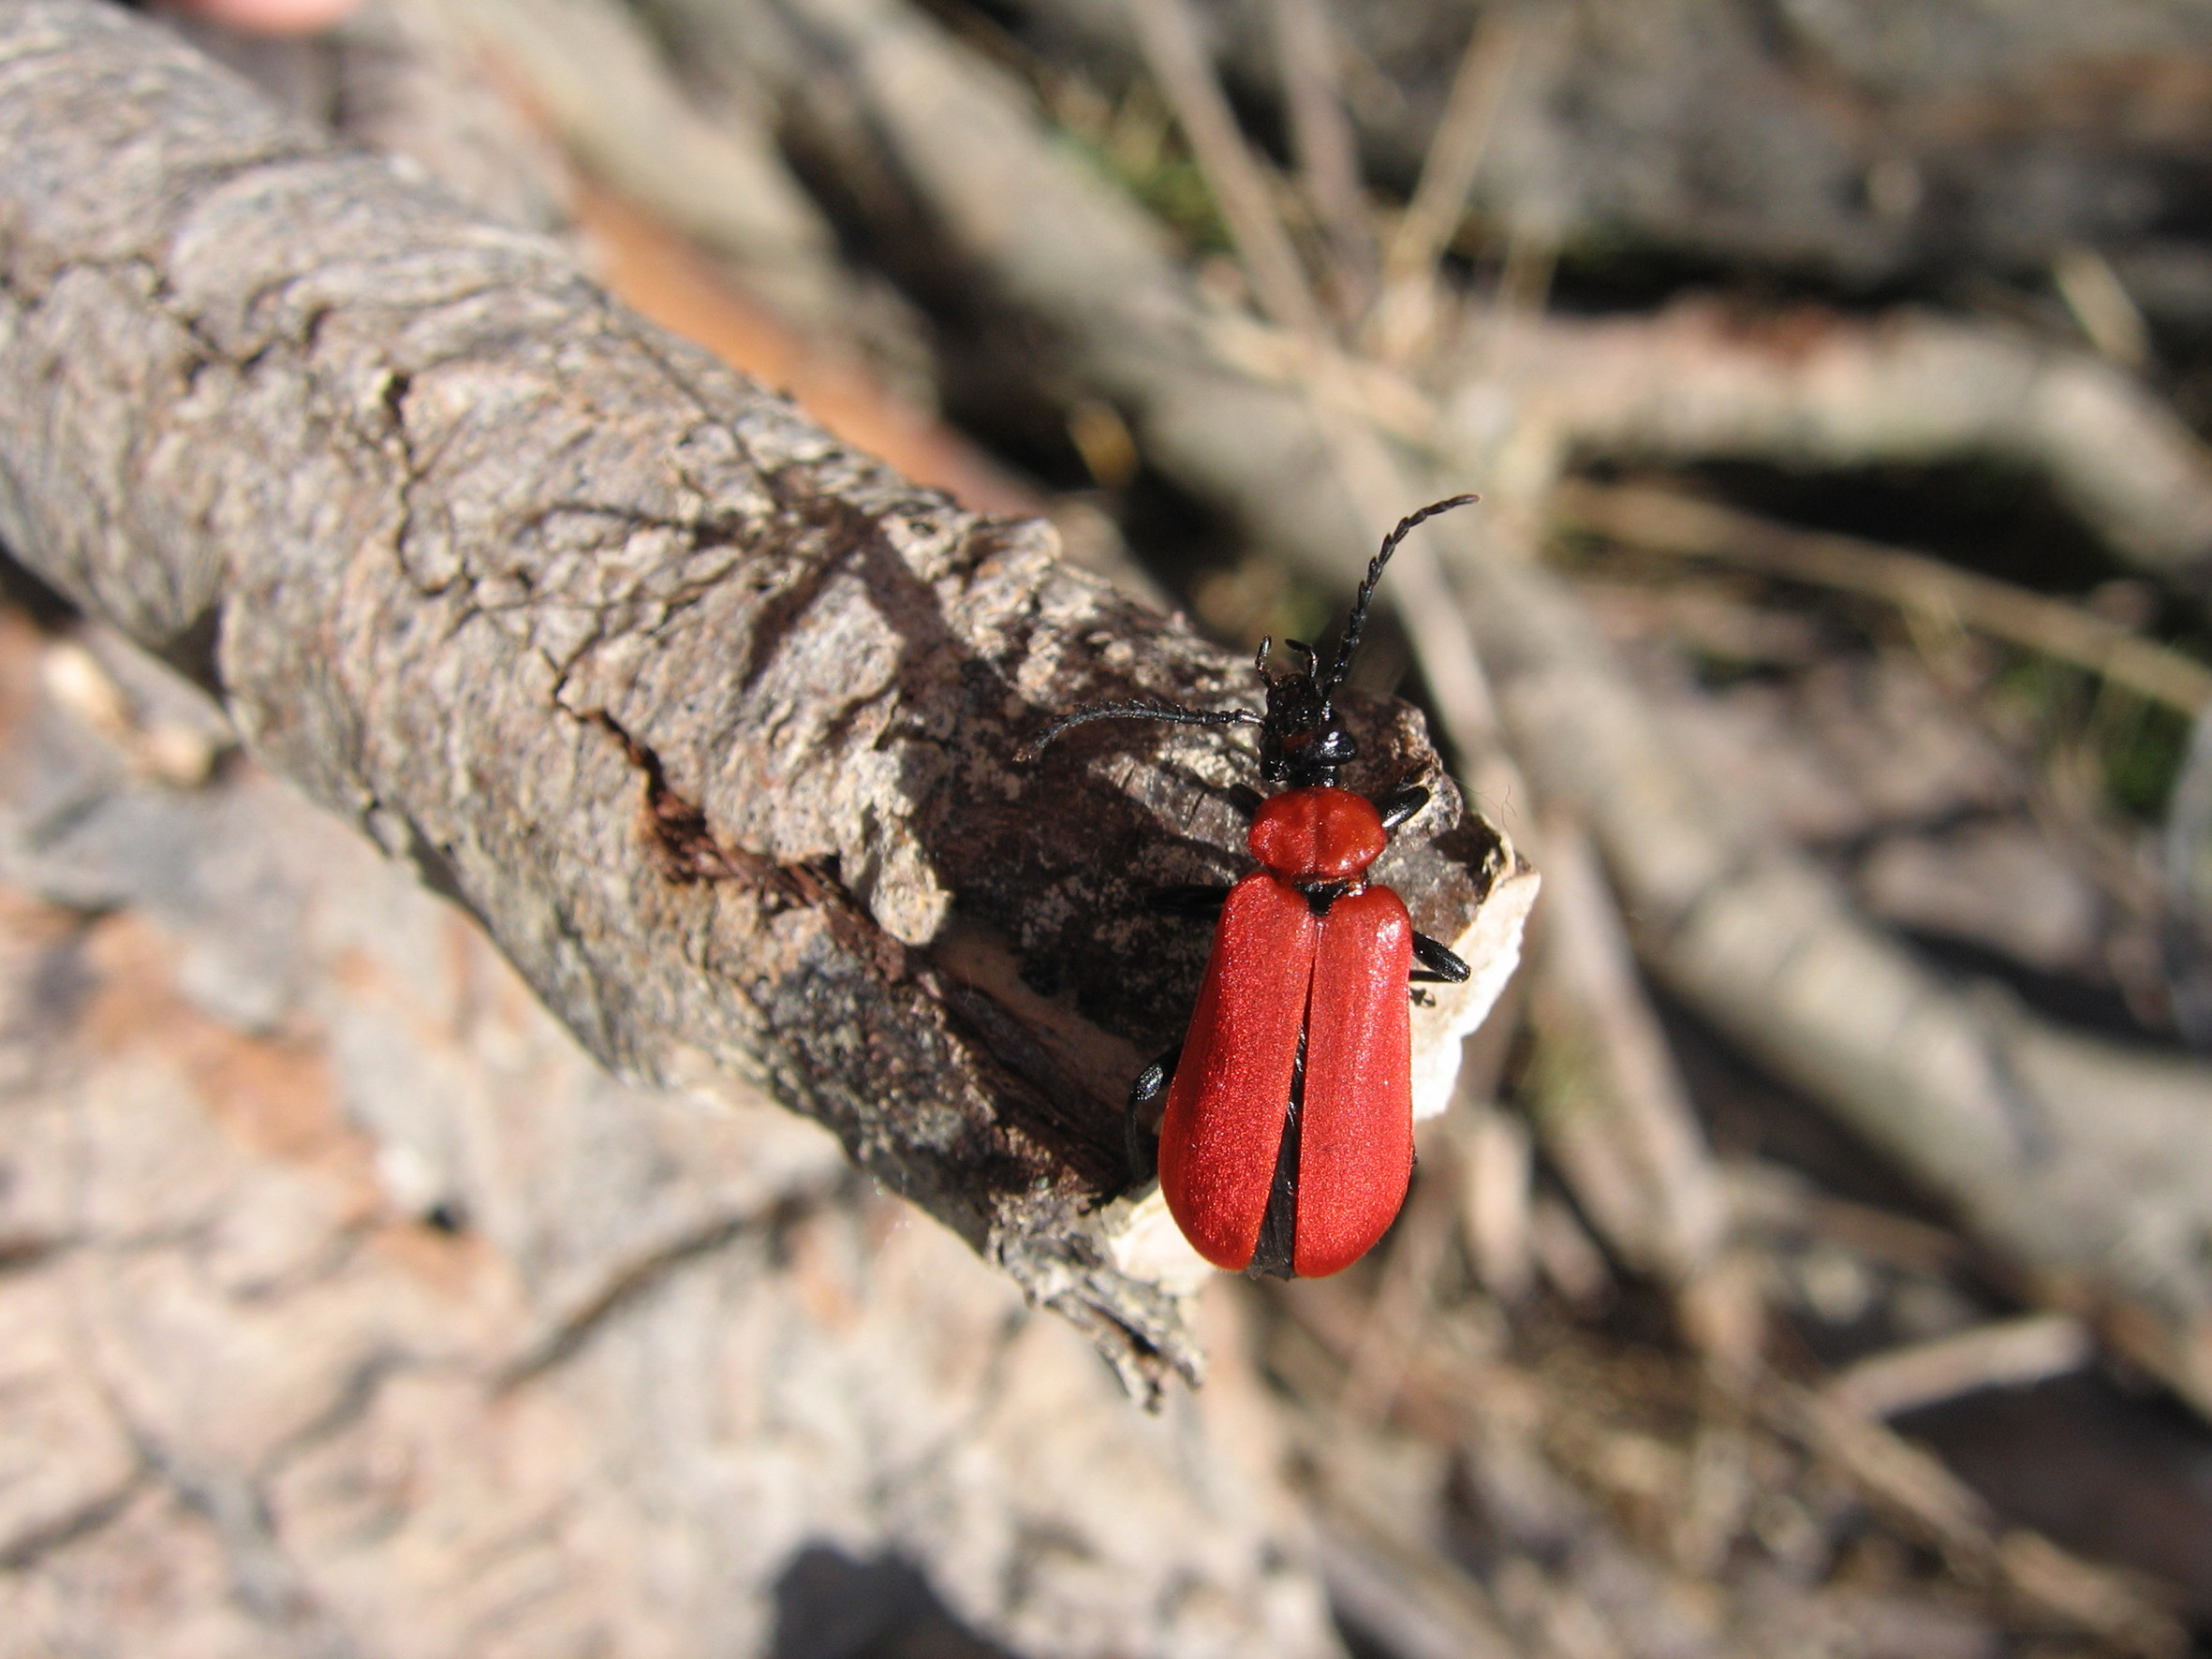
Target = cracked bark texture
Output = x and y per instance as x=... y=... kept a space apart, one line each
x=706 y=717
x=348 y=1307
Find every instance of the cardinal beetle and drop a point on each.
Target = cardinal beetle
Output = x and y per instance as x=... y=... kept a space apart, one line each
x=1286 y=1144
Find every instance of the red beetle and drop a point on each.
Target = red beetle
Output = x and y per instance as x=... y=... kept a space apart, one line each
x=1287 y=1139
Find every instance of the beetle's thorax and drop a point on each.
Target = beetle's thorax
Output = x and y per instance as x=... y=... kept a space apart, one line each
x=1320 y=834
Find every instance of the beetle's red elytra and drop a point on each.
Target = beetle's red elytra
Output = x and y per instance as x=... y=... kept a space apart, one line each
x=1286 y=1145
x=1285 y=986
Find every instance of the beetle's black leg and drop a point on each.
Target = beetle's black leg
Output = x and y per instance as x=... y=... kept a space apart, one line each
x=1401 y=803
x=1436 y=964
x=1148 y=1095
x=1246 y=798
x=1192 y=899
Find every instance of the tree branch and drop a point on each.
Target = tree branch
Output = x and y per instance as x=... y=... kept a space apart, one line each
x=706 y=717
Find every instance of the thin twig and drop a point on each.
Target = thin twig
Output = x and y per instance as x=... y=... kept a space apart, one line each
x=1177 y=58
x=1401 y=1303
x=1407 y=305
x=1662 y=522
x=1327 y=149
x=2101 y=305
x=1901 y=1476
x=2009 y=1353
x=1492 y=1151
x=1895 y=1475
x=1665 y=1211
x=1412 y=1595
x=1377 y=485
x=1455 y=154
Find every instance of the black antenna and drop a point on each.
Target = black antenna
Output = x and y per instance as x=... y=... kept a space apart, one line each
x=1359 y=604
x=1175 y=716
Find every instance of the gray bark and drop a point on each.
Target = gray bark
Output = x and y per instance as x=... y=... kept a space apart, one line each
x=706 y=718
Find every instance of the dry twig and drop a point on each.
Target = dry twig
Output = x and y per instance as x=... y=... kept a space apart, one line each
x=1172 y=47
x=1410 y=299
x=1666 y=521
x=1327 y=148
x=1913 y=1484
x=2008 y=1354
x=593 y=73
x=1503 y=1415
x=1630 y=1145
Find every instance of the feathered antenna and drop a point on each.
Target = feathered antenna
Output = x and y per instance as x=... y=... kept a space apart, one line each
x=1173 y=715
x=1359 y=604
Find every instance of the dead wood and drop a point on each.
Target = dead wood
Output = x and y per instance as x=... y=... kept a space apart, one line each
x=348 y=1307
x=596 y=77
x=1670 y=523
x=705 y=717
x=2085 y=1162
x=1577 y=1472
x=1326 y=148
x=1620 y=1126
x=1928 y=142
x=1812 y=391
x=2005 y=1354
x=390 y=78
x=934 y=145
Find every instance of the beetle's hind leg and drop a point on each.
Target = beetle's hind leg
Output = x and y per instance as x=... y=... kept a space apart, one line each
x=1148 y=1098
x=1435 y=964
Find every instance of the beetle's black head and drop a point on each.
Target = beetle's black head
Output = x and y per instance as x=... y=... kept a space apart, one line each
x=1301 y=742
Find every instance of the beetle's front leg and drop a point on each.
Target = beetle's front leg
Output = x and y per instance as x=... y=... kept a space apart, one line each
x=1435 y=965
x=1140 y=1125
x=1400 y=804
